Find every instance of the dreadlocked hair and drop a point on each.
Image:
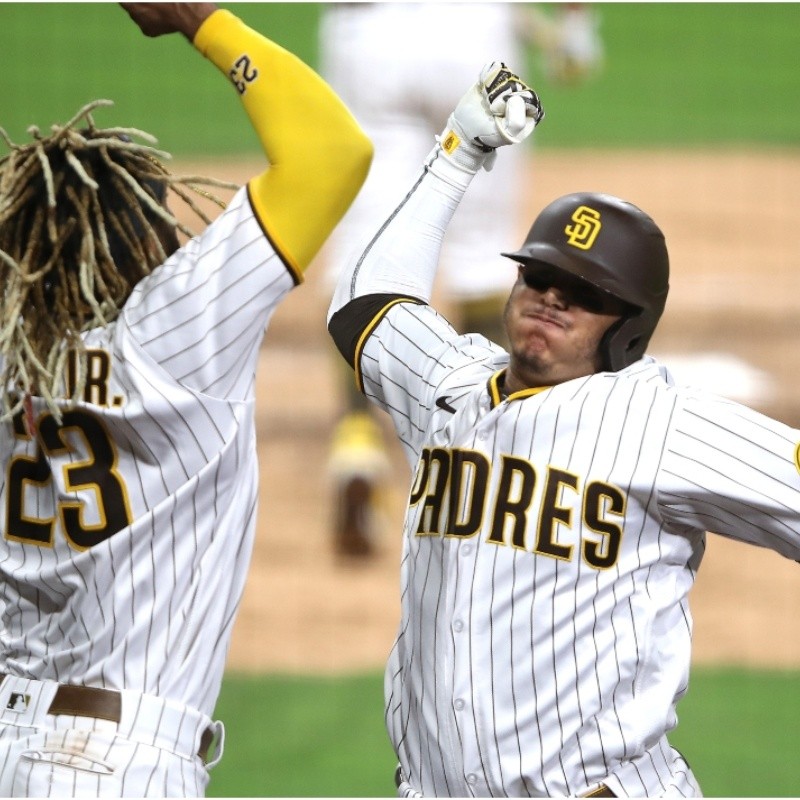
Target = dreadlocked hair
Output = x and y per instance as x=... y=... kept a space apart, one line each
x=83 y=218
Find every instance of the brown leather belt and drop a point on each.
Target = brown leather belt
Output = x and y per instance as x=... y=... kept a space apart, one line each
x=88 y=701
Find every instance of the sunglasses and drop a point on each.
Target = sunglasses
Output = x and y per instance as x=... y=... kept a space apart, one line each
x=575 y=291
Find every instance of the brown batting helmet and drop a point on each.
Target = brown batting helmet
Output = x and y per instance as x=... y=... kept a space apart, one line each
x=617 y=248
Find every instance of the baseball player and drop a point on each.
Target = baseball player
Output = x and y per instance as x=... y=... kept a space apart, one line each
x=129 y=479
x=561 y=489
x=399 y=105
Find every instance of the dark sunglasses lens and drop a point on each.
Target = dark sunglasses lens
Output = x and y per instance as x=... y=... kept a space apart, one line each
x=587 y=297
x=579 y=293
x=541 y=281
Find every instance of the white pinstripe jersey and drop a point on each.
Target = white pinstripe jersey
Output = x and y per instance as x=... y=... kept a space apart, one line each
x=549 y=545
x=127 y=530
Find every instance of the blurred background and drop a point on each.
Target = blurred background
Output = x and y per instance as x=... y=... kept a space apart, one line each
x=675 y=74
x=693 y=113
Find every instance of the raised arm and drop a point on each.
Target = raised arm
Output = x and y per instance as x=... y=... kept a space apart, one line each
x=318 y=155
x=400 y=263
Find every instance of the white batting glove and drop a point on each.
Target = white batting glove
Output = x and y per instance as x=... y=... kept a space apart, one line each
x=499 y=109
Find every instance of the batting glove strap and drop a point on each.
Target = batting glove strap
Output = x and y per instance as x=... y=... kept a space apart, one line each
x=458 y=166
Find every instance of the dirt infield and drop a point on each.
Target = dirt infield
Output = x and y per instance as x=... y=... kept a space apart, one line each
x=730 y=221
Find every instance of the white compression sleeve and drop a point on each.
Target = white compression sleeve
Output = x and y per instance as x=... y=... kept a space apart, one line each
x=403 y=256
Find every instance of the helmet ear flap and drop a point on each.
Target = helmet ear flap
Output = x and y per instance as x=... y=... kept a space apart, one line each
x=626 y=340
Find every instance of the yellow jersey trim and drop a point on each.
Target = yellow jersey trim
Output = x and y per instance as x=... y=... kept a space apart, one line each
x=496 y=393
x=365 y=334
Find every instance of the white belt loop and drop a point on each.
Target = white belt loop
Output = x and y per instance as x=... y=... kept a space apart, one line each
x=404 y=788
x=218 y=745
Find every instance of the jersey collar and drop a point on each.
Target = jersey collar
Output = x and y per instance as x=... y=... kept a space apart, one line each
x=497 y=392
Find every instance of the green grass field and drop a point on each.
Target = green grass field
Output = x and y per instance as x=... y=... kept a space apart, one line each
x=676 y=75
x=324 y=737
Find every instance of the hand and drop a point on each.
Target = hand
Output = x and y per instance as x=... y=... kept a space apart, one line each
x=498 y=110
x=157 y=19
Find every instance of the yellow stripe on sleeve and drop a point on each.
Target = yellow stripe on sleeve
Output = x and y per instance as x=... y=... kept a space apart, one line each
x=365 y=334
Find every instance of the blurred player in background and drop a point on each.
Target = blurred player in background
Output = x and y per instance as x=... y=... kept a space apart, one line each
x=127 y=431
x=398 y=66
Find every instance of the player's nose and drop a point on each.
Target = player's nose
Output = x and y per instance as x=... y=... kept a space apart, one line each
x=555 y=297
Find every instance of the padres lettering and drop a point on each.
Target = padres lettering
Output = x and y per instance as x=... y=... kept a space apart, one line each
x=452 y=487
x=587 y=225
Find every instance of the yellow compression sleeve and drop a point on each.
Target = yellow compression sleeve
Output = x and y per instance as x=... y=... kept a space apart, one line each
x=318 y=155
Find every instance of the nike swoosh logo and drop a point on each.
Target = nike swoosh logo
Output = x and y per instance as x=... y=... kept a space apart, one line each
x=441 y=402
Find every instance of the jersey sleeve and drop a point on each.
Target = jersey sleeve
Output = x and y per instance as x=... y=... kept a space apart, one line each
x=201 y=316
x=729 y=470
x=403 y=352
x=318 y=155
x=409 y=357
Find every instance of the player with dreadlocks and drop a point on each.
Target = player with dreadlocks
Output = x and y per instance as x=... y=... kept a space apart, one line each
x=127 y=430
x=82 y=219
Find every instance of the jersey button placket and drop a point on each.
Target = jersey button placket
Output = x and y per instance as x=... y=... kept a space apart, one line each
x=458 y=704
x=462 y=687
x=486 y=423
